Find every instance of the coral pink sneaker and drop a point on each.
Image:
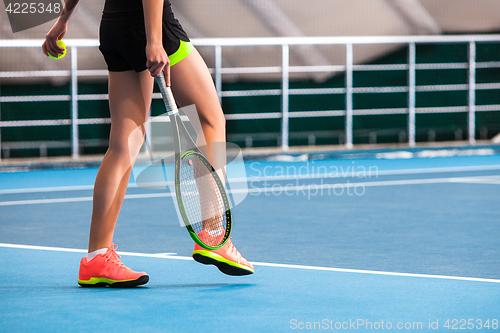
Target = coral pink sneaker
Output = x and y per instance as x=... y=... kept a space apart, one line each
x=107 y=270
x=227 y=259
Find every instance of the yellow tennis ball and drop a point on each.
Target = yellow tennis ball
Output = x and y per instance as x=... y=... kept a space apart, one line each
x=60 y=55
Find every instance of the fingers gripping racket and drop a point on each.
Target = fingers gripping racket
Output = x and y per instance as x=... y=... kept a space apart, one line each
x=200 y=193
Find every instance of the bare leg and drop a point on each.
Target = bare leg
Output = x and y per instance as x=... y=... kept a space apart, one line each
x=129 y=102
x=192 y=84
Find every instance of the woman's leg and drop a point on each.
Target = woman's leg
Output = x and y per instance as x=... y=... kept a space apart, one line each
x=129 y=102
x=192 y=84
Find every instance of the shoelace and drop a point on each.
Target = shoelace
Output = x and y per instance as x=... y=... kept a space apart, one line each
x=113 y=256
x=233 y=250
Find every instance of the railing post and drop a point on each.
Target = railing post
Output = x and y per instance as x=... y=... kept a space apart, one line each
x=218 y=71
x=472 y=92
x=348 y=95
x=74 y=104
x=285 y=67
x=411 y=93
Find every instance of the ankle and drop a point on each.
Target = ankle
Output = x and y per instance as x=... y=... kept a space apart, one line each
x=92 y=254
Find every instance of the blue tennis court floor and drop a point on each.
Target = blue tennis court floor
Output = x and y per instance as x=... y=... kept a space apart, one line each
x=411 y=246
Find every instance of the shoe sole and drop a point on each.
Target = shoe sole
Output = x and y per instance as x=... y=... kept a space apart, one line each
x=222 y=266
x=119 y=284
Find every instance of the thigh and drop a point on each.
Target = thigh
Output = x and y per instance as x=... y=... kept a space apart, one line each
x=192 y=84
x=130 y=96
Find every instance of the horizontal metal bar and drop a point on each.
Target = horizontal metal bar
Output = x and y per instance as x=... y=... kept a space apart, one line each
x=359 y=90
x=54 y=122
x=94 y=121
x=250 y=116
x=292 y=114
x=277 y=69
x=451 y=65
x=325 y=113
x=23 y=123
x=487 y=108
x=265 y=70
x=344 y=40
x=277 y=41
x=443 y=109
x=92 y=72
x=80 y=42
x=317 y=91
x=317 y=69
x=457 y=87
x=20 y=74
x=268 y=92
x=53 y=144
x=277 y=92
x=93 y=97
x=442 y=87
x=262 y=115
x=43 y=98
x=52 y=98
x=421 y=110
x=365 y=90
x=358 y=68
x=52 y=73
x=368 y=68
x=488 y=64
x=377 y=112
x=487 y=86
x=257 y=92
x=251 y=70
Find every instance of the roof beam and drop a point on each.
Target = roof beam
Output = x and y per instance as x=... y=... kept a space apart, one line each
x=194 y=32
x=416 y=16
x=283 y=26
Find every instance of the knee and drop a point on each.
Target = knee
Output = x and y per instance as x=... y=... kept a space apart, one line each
x=119 y=152
x=126 y=150
x=216 y=121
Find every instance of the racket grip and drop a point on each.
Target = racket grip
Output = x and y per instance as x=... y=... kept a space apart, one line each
x=166 y=93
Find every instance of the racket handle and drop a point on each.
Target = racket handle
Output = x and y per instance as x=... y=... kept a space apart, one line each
x=166 y=93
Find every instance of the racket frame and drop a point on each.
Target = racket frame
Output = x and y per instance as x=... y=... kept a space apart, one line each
x=178 y=128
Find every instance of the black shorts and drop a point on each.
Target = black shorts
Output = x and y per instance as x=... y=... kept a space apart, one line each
x=123 y=43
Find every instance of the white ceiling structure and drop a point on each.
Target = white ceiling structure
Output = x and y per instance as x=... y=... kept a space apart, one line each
x=265 y=18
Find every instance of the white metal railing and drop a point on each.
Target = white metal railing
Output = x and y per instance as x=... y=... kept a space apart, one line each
x=285 y=69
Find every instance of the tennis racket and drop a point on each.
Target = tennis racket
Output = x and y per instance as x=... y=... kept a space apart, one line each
x=201 y=196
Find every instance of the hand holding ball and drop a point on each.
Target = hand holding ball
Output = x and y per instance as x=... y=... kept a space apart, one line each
x=60 y=55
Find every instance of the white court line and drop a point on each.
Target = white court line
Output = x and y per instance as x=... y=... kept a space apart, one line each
x=79 y=199
x=53 y=189
x=495 y=180
x=316 y=187
x=348 y=174
x=283 y=188
x=48 y=189
x=316 y=268
x=44 y=201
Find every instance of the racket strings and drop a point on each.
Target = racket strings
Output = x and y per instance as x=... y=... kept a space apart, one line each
x=202 y=199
